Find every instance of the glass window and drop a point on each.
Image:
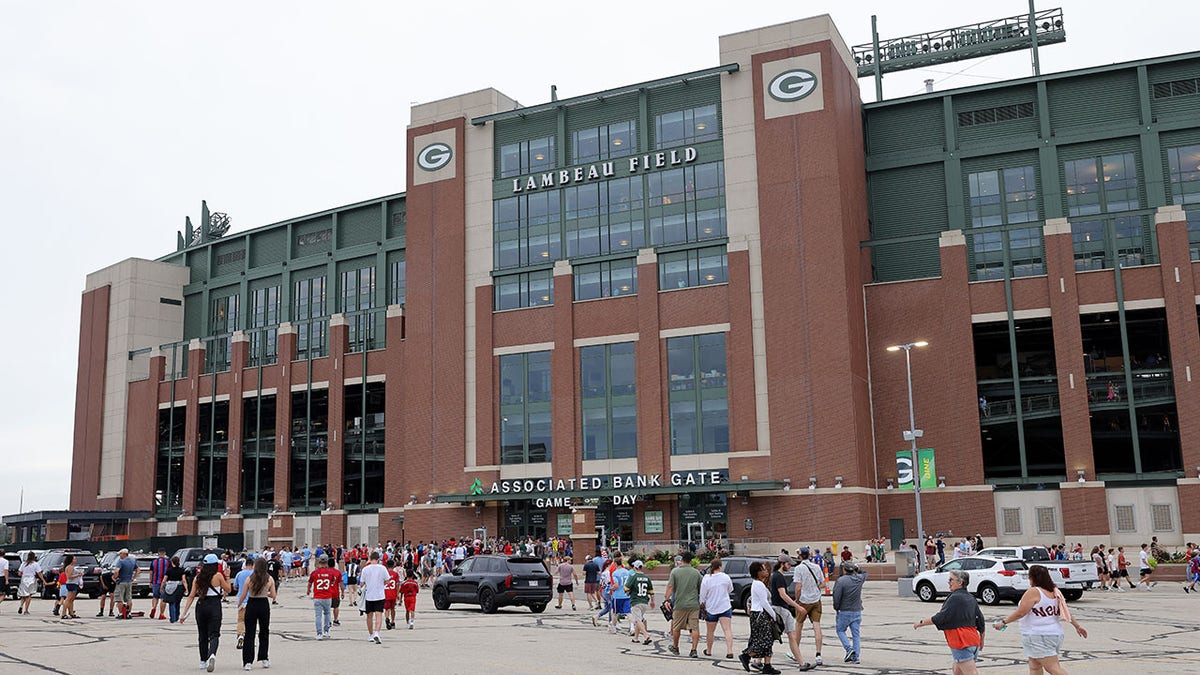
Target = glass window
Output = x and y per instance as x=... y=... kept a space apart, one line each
x=397 y=269
x=168 y=479
x=525 y=428
x=311 y=318
x=309 y=449
x=527 y=157
x=607 y=388
x=1184 y=167
x=684 y=127
x=223 y=320
x=686 y=204
x=695 y=267
x=606 y=279
x=607 y=141
x=1003 y=196
x=699 y=406
x=526 y=229
x=258 y=453
x=264 y=326
x=363 y=421
x=357 y=298
x=1104 y=184
x=212 y=458
x=604 y=218
x=528 y=289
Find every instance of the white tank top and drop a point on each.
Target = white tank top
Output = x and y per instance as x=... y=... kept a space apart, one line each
x=1043 y=618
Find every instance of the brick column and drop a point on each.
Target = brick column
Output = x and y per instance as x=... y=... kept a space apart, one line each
x=394 y=414
x=333 y=527
x=339 y=336
x=964 y=466
x=56 y=530
x=1068 y=351
x=565 y=458
x=231 y=523
x=583 y=528
x=283 y=418
x=191 y=431
x=142 y=529
x=653 y=421
x=187 y=526
x=281 y=529
x=1179 y=296
x=240 y=346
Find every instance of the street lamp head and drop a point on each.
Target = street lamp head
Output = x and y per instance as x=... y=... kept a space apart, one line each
x=908 y=346
x=920 y=343
x=894 y=348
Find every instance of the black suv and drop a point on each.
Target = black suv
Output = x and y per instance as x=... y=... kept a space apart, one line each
x=190 y=558
x=13 y=560
x=52 y=564
x=738 y=569
x=493 y=581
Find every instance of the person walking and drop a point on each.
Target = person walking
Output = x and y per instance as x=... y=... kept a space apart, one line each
x=239 y=583
x=716 y=607
x=74 y=576
x=126 y=571
x=158 y=572
x=1123 y=568
x=352 y=570
x=787 y=609
x=762 y=617
x=683 y=587
x=641 y=593
x=810 y=586
x=373 y=578
x=256 y=594
x=324 y=584
x=1040 y=610
x=1144 y=568
x=174 y=589
x=409 y=590
x=847 y=602
x=207 y=590
x=567 y=578
x=30 y=571
x=961 y=622
x=591 y=583
x=1193 y=567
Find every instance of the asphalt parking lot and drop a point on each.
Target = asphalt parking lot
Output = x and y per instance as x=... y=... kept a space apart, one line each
x=1149 y=632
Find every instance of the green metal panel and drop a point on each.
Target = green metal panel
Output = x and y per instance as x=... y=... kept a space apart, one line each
x=193 y=316
x=1102 y=98
x=229 y=257
x=305 y=233
x=197 y=260
x=915 y=126
x=1175 y=89
x=537 y=125
x=356 y=263
x=359 y=226
x=996 y=113
x=604 y=111
x=395 y=219
x=264 y=282
x=897 y=261
x=311 y=273
x=908 y=201
x=269 y=248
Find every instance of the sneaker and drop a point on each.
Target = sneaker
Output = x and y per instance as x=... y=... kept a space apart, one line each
x=99 y=614
x=771 y=670
x=203 y=665
x=320 y=636
x=377 y=640
x=594 y=621
x=410 y=625
x=745 y=659
x=693 y=654
x=21 y=608
x=211 y=664
x=247 y=667
x=818 y=661
x=1153 y=584
x=849 y=657
x=803 y=667
x=336 y=622
x=241 y=641
x=1186 y=589
x=572 y=608
x=266 y=663
x=674 y=650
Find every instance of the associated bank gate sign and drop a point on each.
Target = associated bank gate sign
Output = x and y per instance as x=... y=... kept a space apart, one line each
x=635 y=483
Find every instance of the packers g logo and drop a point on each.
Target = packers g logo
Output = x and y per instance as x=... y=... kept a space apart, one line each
x=792 y=85
x=434 y=156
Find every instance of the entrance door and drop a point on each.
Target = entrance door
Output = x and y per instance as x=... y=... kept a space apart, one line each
x=896 y=532
x=695 y=535
x=600 y=539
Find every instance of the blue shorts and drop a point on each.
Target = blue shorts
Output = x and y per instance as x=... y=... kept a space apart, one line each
x=621 y=605
x=156 y=591
x=964 y=654
x=713 y=618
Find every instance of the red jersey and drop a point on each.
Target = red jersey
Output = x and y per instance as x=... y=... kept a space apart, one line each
x=325 y=583
x=409 y=589
x=390 y=588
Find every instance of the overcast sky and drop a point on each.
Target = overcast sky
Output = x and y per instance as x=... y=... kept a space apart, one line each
x=117 y=118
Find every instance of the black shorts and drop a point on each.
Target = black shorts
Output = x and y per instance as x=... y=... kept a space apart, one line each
x=566 y=588
x=374 y=606
x=335 y=602
x=1145 y=571
x=1121 y=573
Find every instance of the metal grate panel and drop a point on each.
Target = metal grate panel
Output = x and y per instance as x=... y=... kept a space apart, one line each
x=1046 y=520
x=1012 y=520
x=1125 y=520
x=1161 y=518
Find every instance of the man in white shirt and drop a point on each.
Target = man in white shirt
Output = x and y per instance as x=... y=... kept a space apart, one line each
x=372 y=580
x=810 y=585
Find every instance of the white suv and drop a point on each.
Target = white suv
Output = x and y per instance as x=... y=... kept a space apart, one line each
x=992 y=579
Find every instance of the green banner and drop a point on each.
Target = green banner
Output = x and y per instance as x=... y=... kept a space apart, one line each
x=904 y=469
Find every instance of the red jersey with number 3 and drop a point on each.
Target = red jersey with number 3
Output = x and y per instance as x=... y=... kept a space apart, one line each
x=325 y=583
x=391 y=587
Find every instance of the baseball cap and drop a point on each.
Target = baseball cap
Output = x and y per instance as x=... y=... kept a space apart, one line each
x=211 y=558
x=785 y=558
x=637 y=564
x=124 y=551
x=678 y=558
x=323 y=558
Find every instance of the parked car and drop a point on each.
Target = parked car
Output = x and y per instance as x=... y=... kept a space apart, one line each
x=141 y=584
x=738 y=569
x=52 y=563
x=494 y=581
x=13 y=560
x=190 y=558
x=992 y=579
x=1072 y=576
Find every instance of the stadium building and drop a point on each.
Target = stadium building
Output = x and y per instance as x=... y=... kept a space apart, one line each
x=662 y=312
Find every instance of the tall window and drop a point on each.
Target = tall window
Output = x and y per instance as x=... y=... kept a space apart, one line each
x=606 y=141
x=1184 y=168
x=213 y=457
x=526 y=157
x=607 y=387
x=310 y=449
x=606 y=279
x=223 y=320
x=364 y=449
x=696 y=267
x=529 y=289
x=357 y=288
x=168 y=475
x=1003 y=197
x=264 y=326
x=527 y=229
x=684 y=127
x=698 y=394
x=311 y=318
x=397 y=269
x=258 y=453
x=525 y=408
x=687 y=204
x=1103 y=185
x=604 y=218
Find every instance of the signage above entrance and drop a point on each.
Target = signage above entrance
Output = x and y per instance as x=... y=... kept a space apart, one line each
x=617 y=168
x=633 y=483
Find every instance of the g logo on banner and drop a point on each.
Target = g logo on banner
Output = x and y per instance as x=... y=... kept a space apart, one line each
x=434 y=156
x=904 y=470
x=792 y=85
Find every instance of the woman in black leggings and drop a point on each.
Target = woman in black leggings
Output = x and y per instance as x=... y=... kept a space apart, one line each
x=210 y=586
x=257 y=594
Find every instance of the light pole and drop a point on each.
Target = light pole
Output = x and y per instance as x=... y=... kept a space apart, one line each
x=911 y=435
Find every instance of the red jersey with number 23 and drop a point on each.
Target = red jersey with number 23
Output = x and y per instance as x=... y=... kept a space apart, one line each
x=390 y=588
x=325 y=583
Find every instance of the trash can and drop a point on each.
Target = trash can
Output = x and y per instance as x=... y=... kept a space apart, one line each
x=906 y=569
